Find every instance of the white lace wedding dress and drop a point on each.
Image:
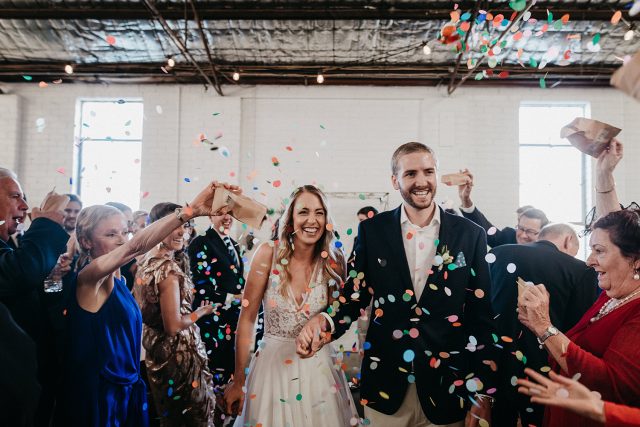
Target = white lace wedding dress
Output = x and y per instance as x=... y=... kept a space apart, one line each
x=283 y=390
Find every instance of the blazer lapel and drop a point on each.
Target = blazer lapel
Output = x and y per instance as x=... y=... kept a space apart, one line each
x=395 y=238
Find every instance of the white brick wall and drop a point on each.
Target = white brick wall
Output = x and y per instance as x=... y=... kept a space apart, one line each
x=475 y=128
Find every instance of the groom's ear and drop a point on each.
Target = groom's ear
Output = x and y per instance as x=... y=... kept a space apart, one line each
x=394 y=182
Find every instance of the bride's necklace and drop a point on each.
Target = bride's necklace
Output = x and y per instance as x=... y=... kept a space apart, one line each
x=612 y=304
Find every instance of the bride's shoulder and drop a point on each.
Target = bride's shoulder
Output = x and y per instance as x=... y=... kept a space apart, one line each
x=264 y=253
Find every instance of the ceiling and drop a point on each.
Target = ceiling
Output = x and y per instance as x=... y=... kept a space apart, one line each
x=546 y=43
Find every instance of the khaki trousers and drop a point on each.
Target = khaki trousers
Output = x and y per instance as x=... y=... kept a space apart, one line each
x=409 y=415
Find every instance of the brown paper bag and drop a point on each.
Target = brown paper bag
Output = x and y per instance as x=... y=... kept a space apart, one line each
x=627 y=77
x=454 y=179
x=54 y=202
x=243 y=208
x=589 y=136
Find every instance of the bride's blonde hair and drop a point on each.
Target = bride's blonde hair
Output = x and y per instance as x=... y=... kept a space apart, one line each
x=284 y=251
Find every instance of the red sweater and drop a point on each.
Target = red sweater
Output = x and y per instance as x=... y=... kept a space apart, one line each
x=606 y=353
x=621 y=416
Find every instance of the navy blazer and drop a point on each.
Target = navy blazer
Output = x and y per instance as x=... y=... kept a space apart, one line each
x=501 y=237
x=438 y=342
x=23 y=270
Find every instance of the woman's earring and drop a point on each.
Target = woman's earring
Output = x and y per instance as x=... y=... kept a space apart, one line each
x=636 y=276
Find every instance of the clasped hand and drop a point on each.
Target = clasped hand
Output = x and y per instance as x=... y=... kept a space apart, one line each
x=312 y=337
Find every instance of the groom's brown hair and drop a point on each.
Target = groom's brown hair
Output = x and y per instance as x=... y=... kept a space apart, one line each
x=408 y=148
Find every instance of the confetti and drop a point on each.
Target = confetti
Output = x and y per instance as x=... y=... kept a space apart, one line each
x=288 y=148
x=158 y=109
x=27 y=78
x=277 y=183
x=543 y=84
x=187 y=180
x=2 y=222
x=42 y=84
x=60 y=171
x=511 y=267
x=111 y=40
x=490 y=258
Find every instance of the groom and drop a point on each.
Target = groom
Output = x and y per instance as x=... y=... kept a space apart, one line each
x=429 y=355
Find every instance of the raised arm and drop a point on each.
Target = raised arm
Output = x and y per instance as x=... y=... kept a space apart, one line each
x=257 y=281
x=172 y=320
x=606 y=195
x=150 y=236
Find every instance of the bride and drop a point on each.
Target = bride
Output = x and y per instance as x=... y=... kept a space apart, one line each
x=293 y=278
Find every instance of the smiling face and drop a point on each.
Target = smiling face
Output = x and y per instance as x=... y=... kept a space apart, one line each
x=110 y=233
x=13 y=208
x=416 y=179
x=71 y=215
x=615 y=272
x=222 y=223
x=309 y=219
x=528 y=229
x=178 y=237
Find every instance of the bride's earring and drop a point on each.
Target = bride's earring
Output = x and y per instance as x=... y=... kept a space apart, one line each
x=636 y=276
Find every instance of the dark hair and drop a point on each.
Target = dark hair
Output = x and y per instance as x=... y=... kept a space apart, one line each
x=409 y=148
x=161 y=210
x=74 y=198
x=534 y=213
x=624 y=231
x=365 y=211
x=120 y=206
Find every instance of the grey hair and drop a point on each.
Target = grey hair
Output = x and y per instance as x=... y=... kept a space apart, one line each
x=8 y=173
x=553 y=231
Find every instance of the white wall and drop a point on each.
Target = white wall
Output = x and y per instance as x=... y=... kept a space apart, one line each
x=342 y=138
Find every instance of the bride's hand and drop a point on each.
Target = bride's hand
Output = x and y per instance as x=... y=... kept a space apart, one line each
x=311 y=338
x=234 y=398
x=201 y=204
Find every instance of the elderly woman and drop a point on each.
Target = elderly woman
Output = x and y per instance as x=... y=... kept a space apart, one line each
x=102 y=383
x=603 y=347
x=176 y=358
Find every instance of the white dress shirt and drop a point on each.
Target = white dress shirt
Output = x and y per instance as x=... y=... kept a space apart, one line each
x=420 y=248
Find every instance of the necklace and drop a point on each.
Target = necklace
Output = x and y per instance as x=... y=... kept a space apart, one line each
x=612 y=304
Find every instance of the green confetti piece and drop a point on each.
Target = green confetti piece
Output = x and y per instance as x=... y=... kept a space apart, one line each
x=27 y=78
x=549 y=17
x=557 y=25
x=533 y=62
x=543 y=83
x=596 y=39
x=518 y=5
x=322 y=127
x=298 y=397
x=479 y=76
x=215 y=114
x=361 y=196
x=473 y=272
x=349 y=231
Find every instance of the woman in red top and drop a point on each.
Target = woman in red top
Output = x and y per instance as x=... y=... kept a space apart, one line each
x=604 y=347
x=569 y=394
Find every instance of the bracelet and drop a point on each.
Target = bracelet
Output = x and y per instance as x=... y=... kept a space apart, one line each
x=179 y=214
x=605 y=192
x=482 y=397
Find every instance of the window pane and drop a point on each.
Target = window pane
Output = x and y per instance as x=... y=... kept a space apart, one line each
x=541 y=124
x=550 y=179
x=111 y=120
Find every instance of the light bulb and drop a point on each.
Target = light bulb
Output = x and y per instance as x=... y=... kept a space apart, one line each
x=320 y=79
x=426 y=49
x=628 y=35
x=68 y=69
x=236 y=76
x=171 y=62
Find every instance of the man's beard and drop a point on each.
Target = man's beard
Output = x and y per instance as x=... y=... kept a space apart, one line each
x=406 y=196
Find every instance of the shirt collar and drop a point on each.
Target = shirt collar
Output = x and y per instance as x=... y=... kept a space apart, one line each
x=434 y=221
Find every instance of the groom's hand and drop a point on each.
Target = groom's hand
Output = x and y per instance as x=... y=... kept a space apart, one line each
x=311 y=338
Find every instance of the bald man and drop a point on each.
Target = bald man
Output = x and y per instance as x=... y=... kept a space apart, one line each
x=572 y=288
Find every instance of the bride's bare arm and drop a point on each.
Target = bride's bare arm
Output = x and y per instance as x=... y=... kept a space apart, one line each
x=252 y=297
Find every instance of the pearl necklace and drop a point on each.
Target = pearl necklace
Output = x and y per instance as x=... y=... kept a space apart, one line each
x=612 y=304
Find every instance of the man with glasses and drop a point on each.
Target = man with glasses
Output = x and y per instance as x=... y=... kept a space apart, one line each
x=530 y=220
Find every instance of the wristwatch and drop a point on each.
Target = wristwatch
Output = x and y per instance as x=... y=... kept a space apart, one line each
x=550 y=332
x=179 y=215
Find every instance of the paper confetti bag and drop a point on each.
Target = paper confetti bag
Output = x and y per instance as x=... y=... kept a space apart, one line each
x=589 y=136
x=627 y=77
x=242 y=208
x=54 y=202
x=454 y=179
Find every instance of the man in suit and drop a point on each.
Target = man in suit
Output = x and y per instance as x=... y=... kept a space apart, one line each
x=23 y=270
x=572 y=287
x=217 y=269
x=429 y=355
x=530 y=220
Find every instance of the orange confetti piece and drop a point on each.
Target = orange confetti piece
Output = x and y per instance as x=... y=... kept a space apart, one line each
x=193 y=317
x=195 y=384
x=506 y=339
x=479 y=293
x=616 y=17
x=324 y=254
x=379 y=312
x=455 y=16
x=245 y=302
x=409 y=235
x=565 y=18
x=288 y=362
x=43 y=84
x=465 y=26
x=288 y=148
x=277 y=183
x=517 y=36
x=111 y=40
x=329 y=227
x=498 y=20
x=252 y=396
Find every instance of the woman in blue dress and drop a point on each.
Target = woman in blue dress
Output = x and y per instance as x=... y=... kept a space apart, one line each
x=103 y=386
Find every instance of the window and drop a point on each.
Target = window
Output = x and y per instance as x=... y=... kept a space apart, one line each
x=554 y=176
x=108 y=151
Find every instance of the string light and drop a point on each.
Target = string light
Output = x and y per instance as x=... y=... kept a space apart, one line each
x=320 y=78
x=236 y=76
x=68 y=69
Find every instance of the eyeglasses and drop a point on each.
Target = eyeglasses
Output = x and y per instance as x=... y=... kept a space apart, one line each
x=527 y=231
